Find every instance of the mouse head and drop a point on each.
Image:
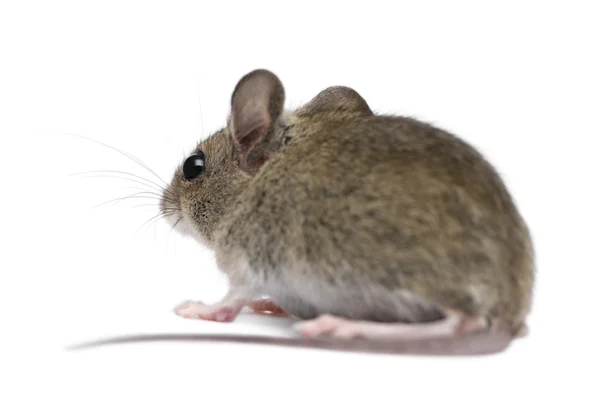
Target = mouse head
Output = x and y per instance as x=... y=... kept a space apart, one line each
x=206 y=185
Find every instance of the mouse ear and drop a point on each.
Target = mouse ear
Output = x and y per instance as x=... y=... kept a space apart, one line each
x=336 y=99
x=256 y=104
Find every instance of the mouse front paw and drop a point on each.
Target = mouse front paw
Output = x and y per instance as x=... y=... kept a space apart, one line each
x=199 y=310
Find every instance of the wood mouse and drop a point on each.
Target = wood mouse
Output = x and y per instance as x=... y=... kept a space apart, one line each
x=372 y=229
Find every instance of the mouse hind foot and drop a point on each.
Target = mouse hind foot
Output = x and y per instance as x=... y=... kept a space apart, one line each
x=267 y=306
x=456 y=334
x=453 y=324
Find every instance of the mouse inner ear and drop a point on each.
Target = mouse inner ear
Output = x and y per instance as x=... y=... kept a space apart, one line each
x=256 y=104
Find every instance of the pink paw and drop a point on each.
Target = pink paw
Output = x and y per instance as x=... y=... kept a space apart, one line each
x=267 y=306
x=198 y=310
x=329 y=326
x=337 y=327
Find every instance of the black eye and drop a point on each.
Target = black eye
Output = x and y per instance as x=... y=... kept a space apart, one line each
x=193 y=166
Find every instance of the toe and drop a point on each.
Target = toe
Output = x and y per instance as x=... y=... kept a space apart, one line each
x=224 y=314
x=190 y=309
x=348 y=331
x=321 y=326
x=181 y=306
x=267 y=307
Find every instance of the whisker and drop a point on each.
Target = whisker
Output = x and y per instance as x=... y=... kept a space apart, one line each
x=137 y=188
x=172 y=227
x=166 y=198
x=169 y=211
x=160 y=196
x=130 y=156
x=160 y=187
x=200 y=108
x=171 y=231
x=148 y=187
x=135 y=195
x=155 y=217
x=166 y=209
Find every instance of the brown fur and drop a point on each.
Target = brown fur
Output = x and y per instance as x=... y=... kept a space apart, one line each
x=356 y=214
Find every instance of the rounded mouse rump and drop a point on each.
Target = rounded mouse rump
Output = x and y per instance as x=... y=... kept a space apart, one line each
x=364 y=227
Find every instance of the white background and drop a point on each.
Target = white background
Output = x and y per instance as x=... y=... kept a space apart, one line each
x=518 y=80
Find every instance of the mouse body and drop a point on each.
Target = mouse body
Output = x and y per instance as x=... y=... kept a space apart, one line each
x=359 y=225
